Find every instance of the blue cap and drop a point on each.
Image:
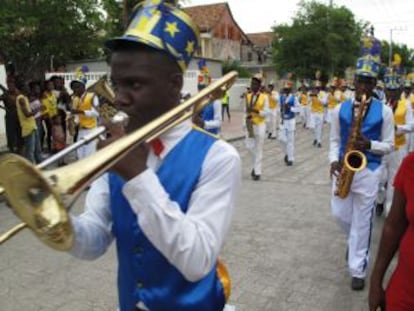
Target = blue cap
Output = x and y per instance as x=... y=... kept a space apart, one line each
x=162 y=26
x=368 y=64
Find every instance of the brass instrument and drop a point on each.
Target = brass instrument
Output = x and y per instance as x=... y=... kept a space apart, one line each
x=354 y=160
x=249 y=121
x=41 y=198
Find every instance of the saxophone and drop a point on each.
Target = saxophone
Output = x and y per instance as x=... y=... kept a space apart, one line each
x=354 y=160
x=249 y=116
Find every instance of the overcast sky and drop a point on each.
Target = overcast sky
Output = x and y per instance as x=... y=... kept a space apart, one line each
x=260 y=15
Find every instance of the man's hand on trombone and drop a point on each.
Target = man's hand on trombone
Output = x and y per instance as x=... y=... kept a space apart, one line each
x=134 y=162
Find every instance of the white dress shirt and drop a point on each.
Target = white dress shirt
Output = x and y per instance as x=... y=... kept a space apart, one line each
x=216 y=122
x=190 y=241
x=380 y=147
x=408 y=127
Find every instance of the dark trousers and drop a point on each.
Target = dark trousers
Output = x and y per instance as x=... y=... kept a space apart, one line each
x=223 y=109
x=13 y=133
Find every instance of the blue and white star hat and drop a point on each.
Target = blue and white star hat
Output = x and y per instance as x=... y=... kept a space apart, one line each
x=160 y=25
x=368 y=64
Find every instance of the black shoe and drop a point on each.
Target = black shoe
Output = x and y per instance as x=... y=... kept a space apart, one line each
x=256 y=177
x=269 y=135
x=346 y=254
x=304 y=125
x=252 y=173
x=286 y=159
x=380 y=209
x=357 y=283
x=289 y=163
x=319 y=145
x=315 y=142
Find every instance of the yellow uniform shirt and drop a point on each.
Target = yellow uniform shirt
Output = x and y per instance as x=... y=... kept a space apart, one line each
x=257 y=104
x=28 y=124
x=316 y=105
x=85 y=103
x=272 y=100
x=399 y=119
x=304 y=99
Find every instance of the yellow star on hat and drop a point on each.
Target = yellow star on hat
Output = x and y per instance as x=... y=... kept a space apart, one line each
x=171 y=28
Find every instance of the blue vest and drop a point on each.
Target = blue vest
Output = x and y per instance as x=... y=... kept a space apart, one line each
x=144 y=274
x=371 y=128
x=207 y=114
x=287 y=113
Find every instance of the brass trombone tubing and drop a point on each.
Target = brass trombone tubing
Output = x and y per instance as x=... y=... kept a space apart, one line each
x=70 y=180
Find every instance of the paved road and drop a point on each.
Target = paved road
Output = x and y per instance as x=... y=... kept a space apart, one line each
x=284 y=251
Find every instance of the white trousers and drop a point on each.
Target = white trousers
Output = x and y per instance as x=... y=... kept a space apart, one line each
x=389 y=167
x=328 y=114
x=255 y=146
x=88 y=149
x=271 y=122
x=354 y=216
x=317 y=123
x=305 y=114
x=288 y=142
x=410 y=147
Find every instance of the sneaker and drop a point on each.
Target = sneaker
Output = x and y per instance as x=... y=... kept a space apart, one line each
x=357 y=283
x=256 y=177
x=315 y=142
x=319 y=145
x=286 y=159
x=289 y=163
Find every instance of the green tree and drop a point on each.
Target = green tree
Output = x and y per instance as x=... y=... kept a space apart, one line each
x=35 y=33
x=407 y=61
x=320 y=38
x=230 y=65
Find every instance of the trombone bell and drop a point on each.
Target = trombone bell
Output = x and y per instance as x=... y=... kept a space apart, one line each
x=36 y=202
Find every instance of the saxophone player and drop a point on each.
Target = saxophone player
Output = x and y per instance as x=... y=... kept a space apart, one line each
x=257 y=108
x=374 y=138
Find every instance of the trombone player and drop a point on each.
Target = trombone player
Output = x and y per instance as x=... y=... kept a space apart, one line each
x=375 y=137
x=168 y=205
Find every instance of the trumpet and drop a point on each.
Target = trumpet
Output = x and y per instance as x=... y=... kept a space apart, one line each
x=41 y=199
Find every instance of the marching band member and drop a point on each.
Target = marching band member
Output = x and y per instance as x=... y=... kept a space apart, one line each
x=304 y=101
x=404 y=123
x=160 y=202
x=379 y=92
x=85 y=106
x=354 y=212
x=272 y=117
x=408 y=94
x=289 y=106
x=335 y=97
x=257 y=107
x=210 y=117
x=318 y=100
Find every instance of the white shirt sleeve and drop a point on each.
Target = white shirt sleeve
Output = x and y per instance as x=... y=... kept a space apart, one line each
x=386 y=144
x=335 y=137
x=266 y=109
x=296 y=106
x=92 y=229
x=216 y=122
x=95 y=105
x=190 y=241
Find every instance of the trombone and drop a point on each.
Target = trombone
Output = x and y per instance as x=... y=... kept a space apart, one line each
x=41 y=199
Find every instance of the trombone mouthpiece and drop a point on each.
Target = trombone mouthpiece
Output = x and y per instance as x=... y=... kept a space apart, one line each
x=120 y=118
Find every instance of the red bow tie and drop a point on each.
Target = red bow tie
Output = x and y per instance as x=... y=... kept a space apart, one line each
x=157 y=146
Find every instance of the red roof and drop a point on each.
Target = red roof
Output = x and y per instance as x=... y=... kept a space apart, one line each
x=206 y=17
x=261 y=39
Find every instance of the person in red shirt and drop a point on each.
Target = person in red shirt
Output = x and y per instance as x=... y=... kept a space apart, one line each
x=397 y=235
